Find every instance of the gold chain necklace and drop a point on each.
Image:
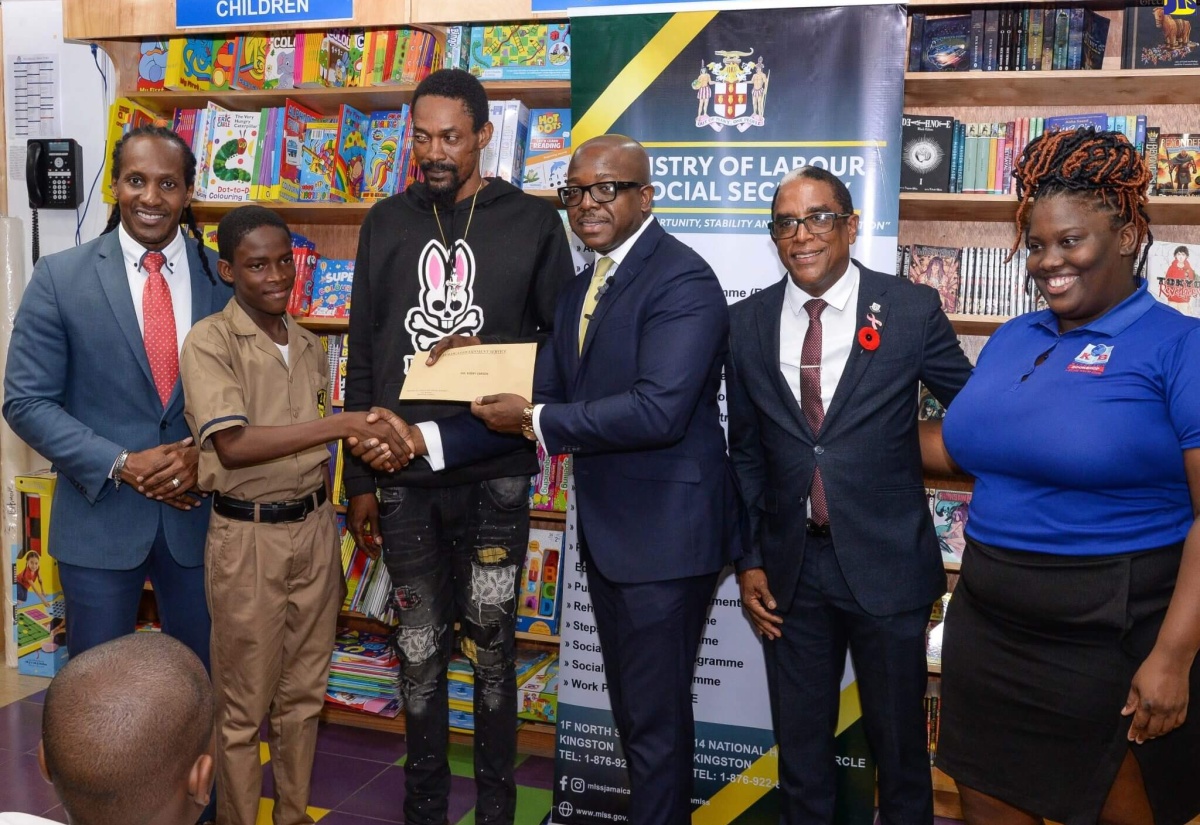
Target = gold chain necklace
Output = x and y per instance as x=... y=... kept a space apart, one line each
x=452 y=285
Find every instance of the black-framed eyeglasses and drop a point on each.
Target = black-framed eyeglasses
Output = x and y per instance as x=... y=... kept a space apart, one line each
x=602 y=192
x=818 y=223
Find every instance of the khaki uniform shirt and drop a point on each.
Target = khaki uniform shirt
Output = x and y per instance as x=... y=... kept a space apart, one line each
x=234 y=376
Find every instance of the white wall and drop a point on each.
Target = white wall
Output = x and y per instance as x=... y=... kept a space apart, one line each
x=35 y=27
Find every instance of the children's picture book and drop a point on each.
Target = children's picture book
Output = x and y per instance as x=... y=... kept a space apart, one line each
x=232 y=148
x=356 y=59
x=123 y=116
x=335 y=57
x=548 y=152
x=307 y=68
x=1171 y=275
x=189 y=64
x=304 y=254
x=1178 y=169
x=925 y=153
x=946 y=44
x=152 y=65
x=281 y=56
x=331 y=288
x=949 y=510
x=295 y=118
x=317 y=161
x=224 y=63
x=548 y=489
x=250 y=66
x=350 y=164
x=381 y=161
x=938 y=267
x=538 y=598
x=533 y=51
x=1155 y=40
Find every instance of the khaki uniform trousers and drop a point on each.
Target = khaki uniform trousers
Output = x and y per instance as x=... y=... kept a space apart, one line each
x=274 y=592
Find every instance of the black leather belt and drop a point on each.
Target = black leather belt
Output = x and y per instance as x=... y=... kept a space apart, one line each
x=814 y=529
x=276 y=512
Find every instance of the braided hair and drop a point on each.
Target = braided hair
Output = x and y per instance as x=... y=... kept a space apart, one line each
x=1086 y=162
x=187 y=218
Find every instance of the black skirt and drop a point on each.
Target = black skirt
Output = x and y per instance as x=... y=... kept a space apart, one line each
x=1037 y=658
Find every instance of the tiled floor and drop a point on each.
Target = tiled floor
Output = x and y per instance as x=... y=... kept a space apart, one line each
x=357 y=777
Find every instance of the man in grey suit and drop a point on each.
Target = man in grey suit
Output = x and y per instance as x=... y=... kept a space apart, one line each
x=92 y=384
x=822 y=382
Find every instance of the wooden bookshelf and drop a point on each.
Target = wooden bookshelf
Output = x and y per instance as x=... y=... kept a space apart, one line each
x=944 y=206
x=1110 y=88
x=324 y=326
x=976 y=324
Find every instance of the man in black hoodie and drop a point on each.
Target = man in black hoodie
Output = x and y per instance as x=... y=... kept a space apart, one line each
x=455 y=255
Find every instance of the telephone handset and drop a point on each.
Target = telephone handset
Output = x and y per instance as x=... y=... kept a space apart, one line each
x=54 y=177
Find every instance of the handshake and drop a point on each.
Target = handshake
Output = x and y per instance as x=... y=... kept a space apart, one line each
x=383 y=439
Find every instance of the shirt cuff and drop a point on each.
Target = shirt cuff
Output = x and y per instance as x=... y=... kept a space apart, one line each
x=537 y=423
x=434 y=453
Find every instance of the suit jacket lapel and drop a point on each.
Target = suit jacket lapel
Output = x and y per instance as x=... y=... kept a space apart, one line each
x=871 y=304
x=111 y=270
x=634 y=262
x=769 y=311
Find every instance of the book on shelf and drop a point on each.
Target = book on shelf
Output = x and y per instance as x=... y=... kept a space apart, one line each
x=123 y=116
x=386 y=155
x=319 y=155
x=232 y=146
x=539 y=602
x=529 y=51
x=1093 y=40
x=933 y=713
x=281 y=53
x=927 y=146
x=189 y=64
x=548 y=150
x=152 y=65
x=1171 y=276
x=224 y=63
x=946 y=44
x=356 y=67
x=949 y=509
x=304 y=255
x=510 y=156
x=457 y=54
x=250 y=64
x=349 y=159
x=1155 y=40
x=331 y=288
x=1177 y=170
x=938 y=267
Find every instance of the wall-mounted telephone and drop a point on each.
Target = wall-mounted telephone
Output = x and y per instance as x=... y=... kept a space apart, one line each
x=54 y=176
x=54 y=173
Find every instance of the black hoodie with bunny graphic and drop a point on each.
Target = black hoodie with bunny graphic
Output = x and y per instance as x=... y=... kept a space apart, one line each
x=493 y=269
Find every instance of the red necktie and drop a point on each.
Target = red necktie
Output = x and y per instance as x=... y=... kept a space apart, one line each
x=810 y=398
x=158 y=322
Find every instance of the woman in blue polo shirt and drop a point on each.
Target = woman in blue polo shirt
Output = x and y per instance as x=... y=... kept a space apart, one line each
x=1069 y=649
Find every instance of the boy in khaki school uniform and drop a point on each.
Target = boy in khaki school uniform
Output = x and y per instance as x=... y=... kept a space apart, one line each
x=255 y=385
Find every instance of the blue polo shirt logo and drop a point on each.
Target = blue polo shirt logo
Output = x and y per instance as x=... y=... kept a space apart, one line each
x=1092 y=360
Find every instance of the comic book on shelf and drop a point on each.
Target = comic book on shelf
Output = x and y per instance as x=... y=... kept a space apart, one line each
x=938 y=267
x=1171 y=275
x=949 y=509
x=1177 y=171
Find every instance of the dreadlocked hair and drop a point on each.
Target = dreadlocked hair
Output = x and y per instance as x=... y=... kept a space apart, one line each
x=187 y=218
x=1082 y=162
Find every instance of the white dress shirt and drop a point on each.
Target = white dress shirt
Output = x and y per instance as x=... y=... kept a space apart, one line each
x=838 y=322
x=429 y=429
x=176 y=272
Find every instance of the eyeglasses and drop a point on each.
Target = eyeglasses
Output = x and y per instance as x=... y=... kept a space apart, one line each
x=603 y=192
x=818 y=223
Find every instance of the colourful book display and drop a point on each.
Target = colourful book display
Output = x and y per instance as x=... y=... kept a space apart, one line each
x=331 y=289
x=224 y=63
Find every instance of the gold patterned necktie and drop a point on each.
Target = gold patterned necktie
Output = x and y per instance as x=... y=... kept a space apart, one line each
x=593 y=296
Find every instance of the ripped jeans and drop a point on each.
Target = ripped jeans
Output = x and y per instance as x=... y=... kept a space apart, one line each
x=456 y=554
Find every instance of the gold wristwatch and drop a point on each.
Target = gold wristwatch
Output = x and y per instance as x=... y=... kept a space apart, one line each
x=527 y=423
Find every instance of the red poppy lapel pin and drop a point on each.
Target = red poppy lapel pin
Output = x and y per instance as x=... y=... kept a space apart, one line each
x=868 y=336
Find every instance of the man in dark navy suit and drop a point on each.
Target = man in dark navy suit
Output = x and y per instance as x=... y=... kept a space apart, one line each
x=822 y=381
x=628 y=384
